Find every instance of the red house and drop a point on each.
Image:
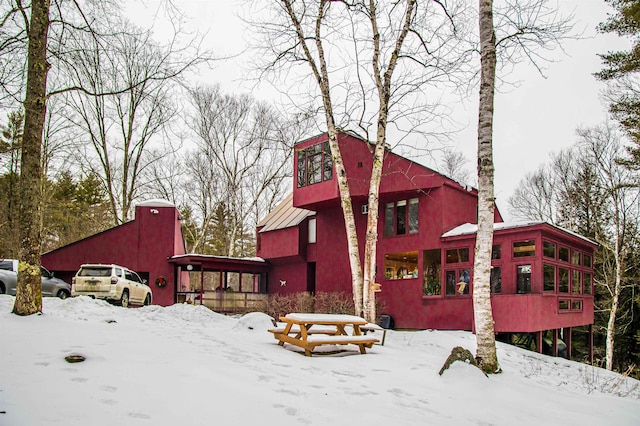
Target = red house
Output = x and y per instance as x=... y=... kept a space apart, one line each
x=541 y=276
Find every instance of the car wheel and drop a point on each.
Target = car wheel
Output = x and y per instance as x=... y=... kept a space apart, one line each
x=62 y=294
x=147 y=300
x=124 y=299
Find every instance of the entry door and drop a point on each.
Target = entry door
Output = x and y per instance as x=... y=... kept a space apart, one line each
x=311 y=277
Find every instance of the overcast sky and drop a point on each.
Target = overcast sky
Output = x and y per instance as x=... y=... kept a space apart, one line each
x=533 y=120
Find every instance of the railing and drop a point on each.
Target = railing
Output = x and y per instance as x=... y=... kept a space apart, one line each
x=224 y=301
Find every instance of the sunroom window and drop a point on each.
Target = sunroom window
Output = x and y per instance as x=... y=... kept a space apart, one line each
x=523 y=279
x=524 y=248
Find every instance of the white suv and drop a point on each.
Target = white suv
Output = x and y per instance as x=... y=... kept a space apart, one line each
x=111 y=282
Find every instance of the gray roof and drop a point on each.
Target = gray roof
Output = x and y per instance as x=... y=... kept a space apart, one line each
x=284 y=216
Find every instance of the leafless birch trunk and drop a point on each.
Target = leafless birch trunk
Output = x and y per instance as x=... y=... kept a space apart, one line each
x=483 y=315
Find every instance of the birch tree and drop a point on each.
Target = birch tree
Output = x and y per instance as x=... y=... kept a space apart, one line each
x=524 y=28
x=486 y=355
x=370 y=63
x=602 y=148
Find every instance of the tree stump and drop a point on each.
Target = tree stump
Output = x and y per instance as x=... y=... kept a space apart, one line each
x=460 y=354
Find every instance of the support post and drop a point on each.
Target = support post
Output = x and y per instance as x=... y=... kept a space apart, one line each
x=590 y=344
x=567 y=337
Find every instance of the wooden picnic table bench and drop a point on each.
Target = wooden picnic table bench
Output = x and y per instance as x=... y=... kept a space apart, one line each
x=308 y=331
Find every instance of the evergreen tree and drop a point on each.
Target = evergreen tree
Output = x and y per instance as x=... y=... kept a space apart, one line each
x=622 y=66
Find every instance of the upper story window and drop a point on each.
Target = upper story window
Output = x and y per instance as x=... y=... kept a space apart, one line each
x=315 y=164
x=401 y=217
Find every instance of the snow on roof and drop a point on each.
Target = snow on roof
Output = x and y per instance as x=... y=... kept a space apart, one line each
x=156 y=202
x=472 y=228
x=284 y=216
x=211 y=256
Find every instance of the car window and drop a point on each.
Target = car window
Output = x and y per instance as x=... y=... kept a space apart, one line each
x=129 y=275
x=136 y=277
x=44 y=271
x=118 y=272
x=93 y=271
x=6 y=265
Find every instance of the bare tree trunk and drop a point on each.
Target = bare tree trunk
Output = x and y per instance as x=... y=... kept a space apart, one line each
x=29 y=289
x=483 y=315
x=613 y=313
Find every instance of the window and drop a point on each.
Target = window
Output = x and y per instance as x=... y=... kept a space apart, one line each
x=496 y=279
x=563 y=280
x=315 y=164
x=458 y=255
x=413 y=215
x=523 y=279
x=576 y=305
x=312 y=230
x=549 y=249
x=431 y=261
x=458 y=282
x=563 y=305
x=524 y=248
x=549 y=278
x=587 y=283
x=576 y=282
x=496 y=251
x=401 y=217
x=575 y=257
x=563 y=254
x=402 y=265
x=587 y=260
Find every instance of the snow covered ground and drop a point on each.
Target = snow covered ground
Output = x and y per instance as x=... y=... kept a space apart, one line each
x=186 y=365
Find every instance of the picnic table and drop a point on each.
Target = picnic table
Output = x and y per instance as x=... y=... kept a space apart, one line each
x=308 y=331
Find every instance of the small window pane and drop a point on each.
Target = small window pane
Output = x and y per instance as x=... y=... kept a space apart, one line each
x=563 y=280
x=328 y=162
x=576 y=282
x=587 y=260
x=431 y=262
x=549 y=278
x=496 y=279
x=403 y=265
x=496 y=251
x=575 y=257
x=315 y=168
x=458 y=255
x=549 y=249
x=462 y=286
x=587 y=283
x=302 y=168
x=312 y=230
x=524 y=248
x=233 y=281
x=576 y=305
x=563 y=254
x=413 y=215
x=401 y=217
x=523 y=277
x=388 y=220
x=563 y=305
x=451 y=282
